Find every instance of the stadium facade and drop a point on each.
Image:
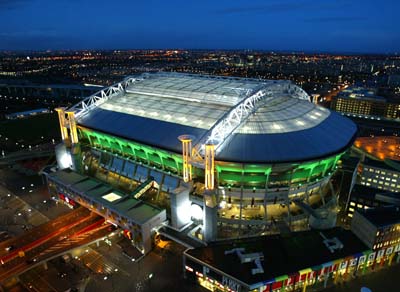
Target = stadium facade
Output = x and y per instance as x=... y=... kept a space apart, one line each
x=238 y=156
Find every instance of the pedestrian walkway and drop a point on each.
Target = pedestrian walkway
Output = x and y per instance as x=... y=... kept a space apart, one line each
x=182 y=236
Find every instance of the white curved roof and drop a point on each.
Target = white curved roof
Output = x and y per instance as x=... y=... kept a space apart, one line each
x=249 y=120
x=200 y=101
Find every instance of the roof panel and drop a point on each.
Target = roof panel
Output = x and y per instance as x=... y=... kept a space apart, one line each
x=331 y=136
x=163 y=106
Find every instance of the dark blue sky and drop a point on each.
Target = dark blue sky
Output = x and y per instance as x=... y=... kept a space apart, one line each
x=302 y=25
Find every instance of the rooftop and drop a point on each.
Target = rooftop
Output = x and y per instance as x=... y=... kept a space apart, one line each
x=381 y=147
x=360 y=191
x=124 y=204
x=284 y=126
x=283 y=255
x=382 y=216
x=357 y=92
x=385 y=164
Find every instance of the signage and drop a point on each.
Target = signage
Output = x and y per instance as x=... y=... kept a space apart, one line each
x=361 y=260
x=371 y=257
x=389 y=250
x=231 y=284
x=381 y=253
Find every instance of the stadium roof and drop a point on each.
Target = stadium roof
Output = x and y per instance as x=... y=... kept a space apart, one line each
x=275 y=122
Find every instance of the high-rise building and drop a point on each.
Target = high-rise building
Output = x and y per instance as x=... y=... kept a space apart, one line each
x=364 y=103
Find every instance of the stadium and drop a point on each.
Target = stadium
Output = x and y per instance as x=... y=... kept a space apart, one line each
x=232 y=156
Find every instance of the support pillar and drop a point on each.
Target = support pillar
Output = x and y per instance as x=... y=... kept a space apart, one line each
x=210 y=216
x=72 y=127
x=266 y=193
x=62 y=122
x=289 y=215
x=186 y=155
x=180 y=206
x=209 y=166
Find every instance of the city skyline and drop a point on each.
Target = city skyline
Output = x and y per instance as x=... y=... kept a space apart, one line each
x=310 y=26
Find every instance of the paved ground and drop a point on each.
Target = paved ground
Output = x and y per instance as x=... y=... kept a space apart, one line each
x=384 y=280
x=160 y=270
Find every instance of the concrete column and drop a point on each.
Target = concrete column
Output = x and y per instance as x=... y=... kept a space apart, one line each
x=210 y=216
x=76 y=155
x=180 y=206
x=289 y=215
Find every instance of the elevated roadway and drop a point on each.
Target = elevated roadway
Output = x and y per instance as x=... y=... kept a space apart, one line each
x=44 y=150
x=49 y=240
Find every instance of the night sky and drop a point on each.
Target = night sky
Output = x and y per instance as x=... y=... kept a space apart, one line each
x=286 y=25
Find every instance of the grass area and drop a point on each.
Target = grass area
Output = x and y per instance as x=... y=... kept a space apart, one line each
x=30 y=130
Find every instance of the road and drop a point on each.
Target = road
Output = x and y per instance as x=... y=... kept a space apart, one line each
x=41 y=233
x=72 y=230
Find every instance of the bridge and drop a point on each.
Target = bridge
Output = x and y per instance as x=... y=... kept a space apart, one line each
x=49 y=240
x=45 y=150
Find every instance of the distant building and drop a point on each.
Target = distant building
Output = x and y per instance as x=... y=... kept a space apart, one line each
x=25 y=114
x=364 y=103
x=383 y=175
x=378 y=227
x=393 y=80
